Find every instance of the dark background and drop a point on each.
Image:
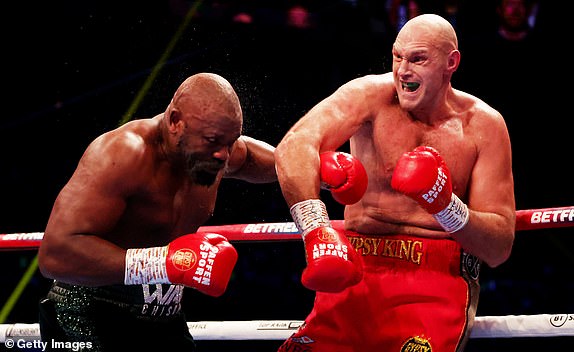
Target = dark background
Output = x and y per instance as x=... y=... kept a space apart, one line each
x=73 y=69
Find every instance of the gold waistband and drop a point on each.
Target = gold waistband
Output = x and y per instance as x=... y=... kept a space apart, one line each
x=408 y=252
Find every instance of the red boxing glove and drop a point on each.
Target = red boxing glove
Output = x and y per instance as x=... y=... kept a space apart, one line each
x=344 y=176
x=203 y=261
x=332 y=262
x=422 y=174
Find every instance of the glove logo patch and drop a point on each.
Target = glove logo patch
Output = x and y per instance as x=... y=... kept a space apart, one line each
x=327 y=236
x=416 y=343
x=184 y=259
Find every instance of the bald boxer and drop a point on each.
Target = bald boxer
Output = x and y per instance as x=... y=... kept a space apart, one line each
x=439 y=201
x=121 y=240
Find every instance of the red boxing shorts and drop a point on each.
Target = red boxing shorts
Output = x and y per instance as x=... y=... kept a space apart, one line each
x=417 y=294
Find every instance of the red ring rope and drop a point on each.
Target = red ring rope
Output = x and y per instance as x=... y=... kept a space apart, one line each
x=532 y=219
x=546 y=218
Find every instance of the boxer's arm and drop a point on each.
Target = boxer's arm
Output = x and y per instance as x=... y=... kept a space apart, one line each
x=73 y=249
x=489 y=233
x=326 y=127
x=252 y=160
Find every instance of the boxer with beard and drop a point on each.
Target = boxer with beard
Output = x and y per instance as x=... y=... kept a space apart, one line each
x=121 y=241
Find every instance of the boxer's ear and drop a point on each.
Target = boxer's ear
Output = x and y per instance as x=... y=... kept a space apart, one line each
x=453 y=60
x=175 y=122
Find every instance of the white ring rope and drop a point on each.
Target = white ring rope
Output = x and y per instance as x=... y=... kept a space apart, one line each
x=511 y=326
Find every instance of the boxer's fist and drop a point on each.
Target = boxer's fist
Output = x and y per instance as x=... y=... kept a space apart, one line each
x=422 y=174
x=203 y=261
x=332 y=263
x=344 y=176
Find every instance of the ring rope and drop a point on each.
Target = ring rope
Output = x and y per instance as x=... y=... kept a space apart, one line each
x=485 y=327
x=531 y=219
x=510 y=326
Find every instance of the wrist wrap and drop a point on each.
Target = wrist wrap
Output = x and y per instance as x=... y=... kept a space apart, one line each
x=454 y=217
x=309 y=215
x=146 y=266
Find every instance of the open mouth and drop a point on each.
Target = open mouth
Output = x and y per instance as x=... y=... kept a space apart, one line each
x=410 y=86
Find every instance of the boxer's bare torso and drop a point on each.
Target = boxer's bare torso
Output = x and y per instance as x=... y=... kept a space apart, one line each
x=158 y=201
x=458 y=135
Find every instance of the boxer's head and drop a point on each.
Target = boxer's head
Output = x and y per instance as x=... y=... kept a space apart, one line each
x=205 y=120
x=425 y=55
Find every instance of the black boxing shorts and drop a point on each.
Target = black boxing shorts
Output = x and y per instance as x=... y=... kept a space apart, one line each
x=78 y=318
x=417 y=294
